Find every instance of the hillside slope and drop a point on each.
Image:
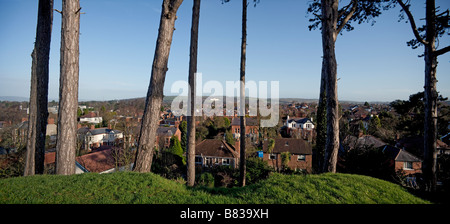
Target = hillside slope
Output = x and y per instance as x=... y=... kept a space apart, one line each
x=130 y=188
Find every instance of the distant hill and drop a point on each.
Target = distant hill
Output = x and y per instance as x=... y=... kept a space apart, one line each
x=14 y=98
x=169 y=99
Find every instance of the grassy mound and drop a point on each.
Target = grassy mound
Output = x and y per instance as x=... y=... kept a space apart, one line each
x=131 y=188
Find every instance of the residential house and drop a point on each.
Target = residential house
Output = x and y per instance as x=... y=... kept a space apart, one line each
x=171 y=120
x=360 y=113
x=95 y=138
x=20 y=134
x=442 y=148
x=300 y=127
x=300 y=154
x=363 y=141
x=251 y=128
x=91 y=118
x=215 y=152
x=163 y=135
x=401 y=160
x=51 y=127
x=415 y=145
x=300 y=123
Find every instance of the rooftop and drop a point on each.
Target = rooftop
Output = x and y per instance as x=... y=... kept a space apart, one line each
x=292 y=145
x=215 y=147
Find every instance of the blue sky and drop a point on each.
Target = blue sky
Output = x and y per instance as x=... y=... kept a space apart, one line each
x=118 y=39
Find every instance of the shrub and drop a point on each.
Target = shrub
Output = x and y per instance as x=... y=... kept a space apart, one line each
x=257 y=170
x=205 y=179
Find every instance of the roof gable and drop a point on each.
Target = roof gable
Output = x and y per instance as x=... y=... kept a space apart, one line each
x=292 y=145
x=216 y=148
x=400 y=154
x=249 y=121
x=364 y=141
x=169 y=131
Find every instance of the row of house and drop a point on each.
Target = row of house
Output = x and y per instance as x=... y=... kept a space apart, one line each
x=209 y=153
x=215 y=152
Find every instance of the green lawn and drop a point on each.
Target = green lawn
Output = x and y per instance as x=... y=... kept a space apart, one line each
x=130 y=188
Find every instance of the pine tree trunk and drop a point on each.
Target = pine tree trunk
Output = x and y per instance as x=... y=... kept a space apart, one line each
x=191 y=108
x=329 y=23
x=321 y=129
x=68 y=88
x=242 y=165
x=31 y=140
x=150 y=121
x=38 y=113
x=431 y=95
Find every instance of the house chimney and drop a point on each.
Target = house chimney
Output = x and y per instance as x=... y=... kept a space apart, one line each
x=237 y=146
x=50 y=121
x=92 y=126
x=78 y=125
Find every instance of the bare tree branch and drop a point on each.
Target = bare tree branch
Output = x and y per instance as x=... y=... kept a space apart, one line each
x=318 y=16
x=442 y=51
x=413 y=23
x=58 y=11
x=344 y=9
x=78 y=11
x=347 y=17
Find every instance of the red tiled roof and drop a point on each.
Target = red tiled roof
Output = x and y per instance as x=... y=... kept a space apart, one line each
x=295 y=146
x=90 y=115
x=215 y=147
x=97 y=162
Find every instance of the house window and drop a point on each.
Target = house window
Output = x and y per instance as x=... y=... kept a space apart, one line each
x=216 y=161
x=209 y=161
x=226 y=162
x=301 y=158
x=273 y=156
x=407 y=165
x=198 y=160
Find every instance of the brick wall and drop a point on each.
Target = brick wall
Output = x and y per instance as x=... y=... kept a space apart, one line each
x=293 y=163
x=417 y=167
